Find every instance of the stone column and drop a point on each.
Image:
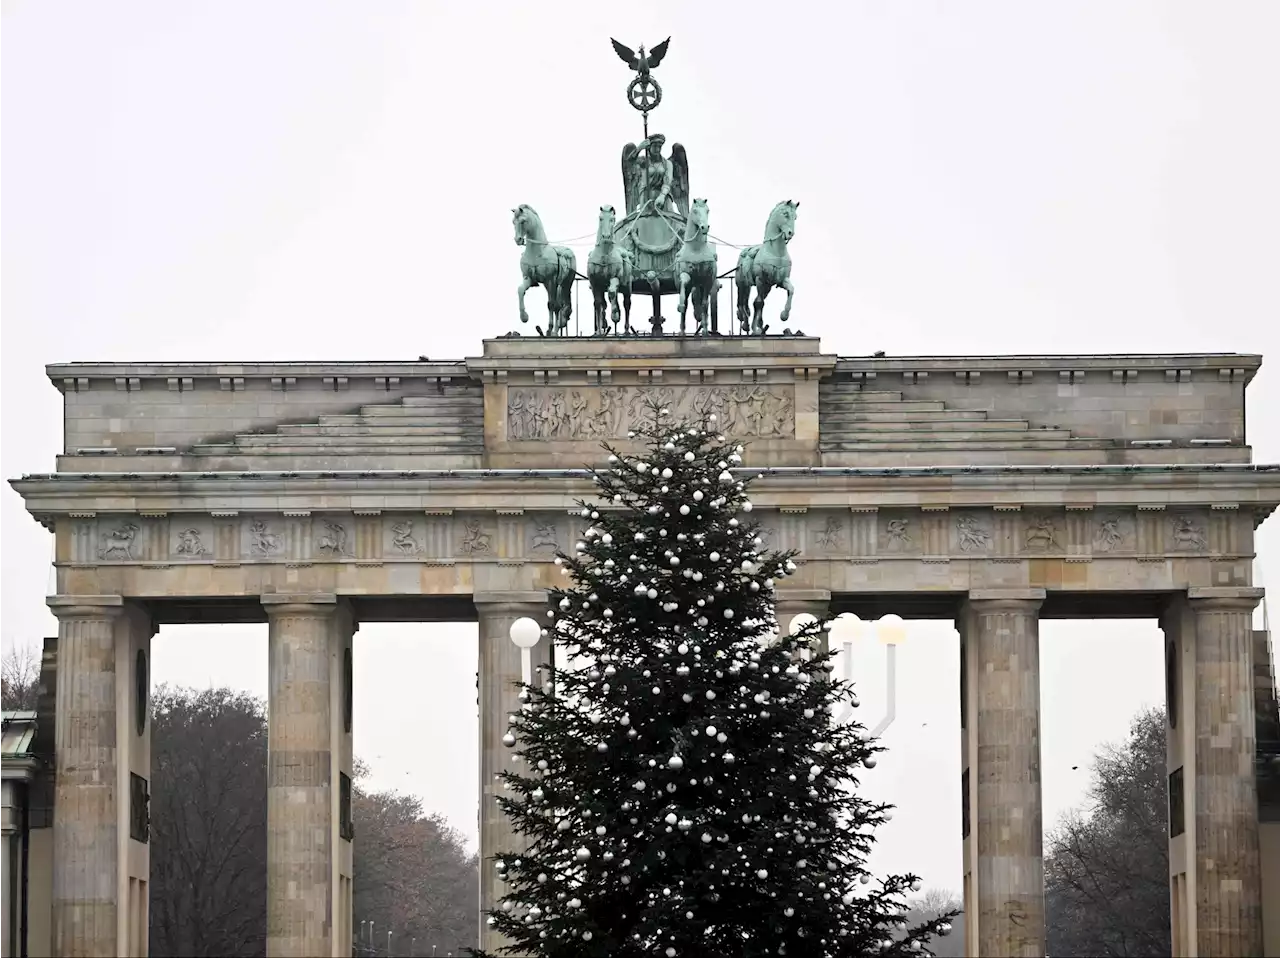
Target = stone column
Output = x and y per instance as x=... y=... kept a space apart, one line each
x=9 y=813
x=1000 y=696
x=303 y=751
x=498 y=674
x=100 y=867
x=1214 y=861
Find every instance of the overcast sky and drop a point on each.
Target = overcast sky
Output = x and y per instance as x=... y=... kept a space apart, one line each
x=312 y=180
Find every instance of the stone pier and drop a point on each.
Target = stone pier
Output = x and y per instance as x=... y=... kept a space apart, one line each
x=308 y=744
x=1003 y=855
x=102 y=755
x=1214 y=862
x=500 y=670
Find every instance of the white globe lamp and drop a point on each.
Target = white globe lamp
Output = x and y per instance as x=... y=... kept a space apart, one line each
x=525 y=633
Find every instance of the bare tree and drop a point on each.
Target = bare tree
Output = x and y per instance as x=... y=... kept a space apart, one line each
x=1107 y=866
x=413 y=877
x=929 y=905
x=208 y=823
x=20 y=678
x=413 y=874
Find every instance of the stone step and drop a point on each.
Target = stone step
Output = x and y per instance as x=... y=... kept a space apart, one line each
x=940 y=435
x=438 y=409
x=383 y=440
x=948 y=443
x=475 y=395
x=385 y=430
x=346 y=449
x=844 y=414
x=827 y=407
x=269 y=461
x=869 y=395
x=926 y=425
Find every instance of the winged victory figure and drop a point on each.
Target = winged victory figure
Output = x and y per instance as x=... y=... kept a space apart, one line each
x=653 y=182
x=640 y=62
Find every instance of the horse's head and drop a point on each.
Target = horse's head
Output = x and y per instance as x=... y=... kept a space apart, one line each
x=606 y=223
x=782 y=220
x=523 y=217
x=699 y=223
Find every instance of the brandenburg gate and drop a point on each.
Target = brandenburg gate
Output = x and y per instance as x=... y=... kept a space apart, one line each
x=993 y=491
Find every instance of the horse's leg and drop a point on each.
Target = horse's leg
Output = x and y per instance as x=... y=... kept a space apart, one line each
x=715 y=307
x=615 y=314
x=568 y=300
x=626 y=308
x=524 y=288
x=786 y=284
x=683 y=302
x=762 y=291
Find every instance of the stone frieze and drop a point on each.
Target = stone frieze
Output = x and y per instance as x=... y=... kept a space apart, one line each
x=514 y=535
x=609 y=412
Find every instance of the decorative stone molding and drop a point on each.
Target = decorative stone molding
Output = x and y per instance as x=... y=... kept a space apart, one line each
x=858 y=534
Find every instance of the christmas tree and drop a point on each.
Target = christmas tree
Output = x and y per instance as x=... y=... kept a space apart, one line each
x=682 y=785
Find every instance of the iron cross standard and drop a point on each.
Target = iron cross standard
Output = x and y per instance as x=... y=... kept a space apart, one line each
x=643 y=92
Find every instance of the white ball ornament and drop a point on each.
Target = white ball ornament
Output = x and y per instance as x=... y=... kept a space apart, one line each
x=676 y=762
x=689 y=457
x=684 y=510
x=747 y=506
x=582 y=854
x=508 y=740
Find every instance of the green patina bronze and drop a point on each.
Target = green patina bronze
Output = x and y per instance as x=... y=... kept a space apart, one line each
x=662 y=246
x=610 y=270
x=541 y=264
x=696 y=266
x=766 y=266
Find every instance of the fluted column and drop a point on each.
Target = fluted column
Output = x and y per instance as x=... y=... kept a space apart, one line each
x=499 y=675
x=1215 y=867
x=100 y=741
x=302 y=782
x=1003 y=849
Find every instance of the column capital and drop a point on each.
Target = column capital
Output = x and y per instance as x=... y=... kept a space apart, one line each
x=299 y=603
x=802 y=596
x=519 y=603
x=85 y=606
x=1005 y=600
x=1237 y=598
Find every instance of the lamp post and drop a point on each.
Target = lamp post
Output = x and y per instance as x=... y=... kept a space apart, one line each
x=890 y=630
x=525 y=633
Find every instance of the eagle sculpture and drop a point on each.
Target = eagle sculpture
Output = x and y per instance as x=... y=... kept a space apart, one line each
x=641 y=62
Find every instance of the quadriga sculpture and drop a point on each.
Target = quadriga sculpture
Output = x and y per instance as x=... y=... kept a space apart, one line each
x=766 y=266
x=552 y=267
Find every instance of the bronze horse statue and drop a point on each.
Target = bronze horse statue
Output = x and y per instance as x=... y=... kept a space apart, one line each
x=552 y=267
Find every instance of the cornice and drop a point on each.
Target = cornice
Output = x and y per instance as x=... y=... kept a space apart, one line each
x=1242 y=485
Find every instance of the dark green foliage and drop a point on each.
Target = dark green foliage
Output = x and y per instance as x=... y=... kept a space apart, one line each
x=687 y=791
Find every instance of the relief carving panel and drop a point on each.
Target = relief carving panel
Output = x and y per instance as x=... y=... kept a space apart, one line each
x=608 y=412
